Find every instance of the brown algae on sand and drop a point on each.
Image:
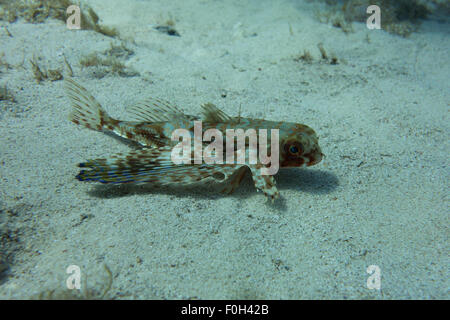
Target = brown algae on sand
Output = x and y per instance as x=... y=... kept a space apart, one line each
x=110 y=61
x=401 y=17
x=37 y=11
x=6 y=95
x=307 y=58
x=40 y=74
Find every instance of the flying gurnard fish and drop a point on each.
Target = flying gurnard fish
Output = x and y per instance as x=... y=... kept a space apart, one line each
x=152 y=163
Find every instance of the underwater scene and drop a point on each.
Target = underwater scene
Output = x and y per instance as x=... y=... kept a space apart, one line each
x=231 y=150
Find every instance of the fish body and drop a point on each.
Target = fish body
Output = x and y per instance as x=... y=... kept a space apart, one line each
x=152 y=132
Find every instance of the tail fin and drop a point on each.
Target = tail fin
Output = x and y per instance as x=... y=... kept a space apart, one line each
x=86 y=110
x=149 y=166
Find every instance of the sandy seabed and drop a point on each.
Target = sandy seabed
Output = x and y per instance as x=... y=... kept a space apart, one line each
x=380 y=197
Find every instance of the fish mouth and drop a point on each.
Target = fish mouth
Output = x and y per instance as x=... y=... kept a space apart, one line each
x=315 y=158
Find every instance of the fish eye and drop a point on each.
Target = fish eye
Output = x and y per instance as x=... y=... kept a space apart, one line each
x=295 y=149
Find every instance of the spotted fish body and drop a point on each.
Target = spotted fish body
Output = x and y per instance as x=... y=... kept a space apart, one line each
x=152 y=132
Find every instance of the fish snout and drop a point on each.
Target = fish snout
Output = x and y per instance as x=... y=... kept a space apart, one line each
x=315 y=157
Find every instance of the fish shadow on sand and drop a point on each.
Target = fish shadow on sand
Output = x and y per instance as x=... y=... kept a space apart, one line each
x=302 y=180
x=307 y=180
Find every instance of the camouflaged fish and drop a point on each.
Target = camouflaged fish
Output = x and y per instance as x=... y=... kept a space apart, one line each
x=156 y=120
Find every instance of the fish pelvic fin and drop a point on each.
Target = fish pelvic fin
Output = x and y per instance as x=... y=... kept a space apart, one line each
x=265 y=183
x=235 y=180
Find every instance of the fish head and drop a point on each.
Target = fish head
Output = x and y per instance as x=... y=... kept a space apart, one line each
x=299 y=147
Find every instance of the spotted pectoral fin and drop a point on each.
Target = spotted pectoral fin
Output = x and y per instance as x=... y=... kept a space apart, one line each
x=265 y=183
x=148 y=166
x=213 y=114
x=156 y=110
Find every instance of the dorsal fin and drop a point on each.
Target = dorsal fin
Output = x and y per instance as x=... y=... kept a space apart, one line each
x=213 y=114
x=154 y=110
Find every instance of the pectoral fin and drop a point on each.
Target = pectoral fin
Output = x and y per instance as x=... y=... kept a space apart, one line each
x=148 y=166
